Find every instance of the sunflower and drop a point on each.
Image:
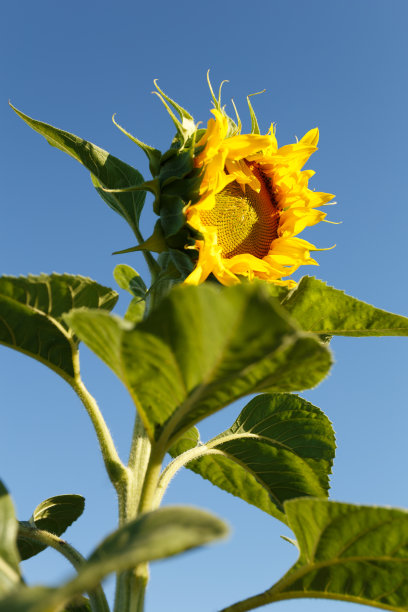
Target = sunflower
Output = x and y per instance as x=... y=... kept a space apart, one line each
x=253 y=202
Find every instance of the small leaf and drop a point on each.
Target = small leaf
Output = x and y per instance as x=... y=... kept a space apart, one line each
x=128 y=279
x=136 y=310
x=155 y=535
x=321 y=309
x=188 y=440
x=31 y=310
x=280 y=447
x=348 y=552
x=107 y=171
x=199 y=350
x=9 y=560
x=79 y=604
x=55 y=514
x=254 y=120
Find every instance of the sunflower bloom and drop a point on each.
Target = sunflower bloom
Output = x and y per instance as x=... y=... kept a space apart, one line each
x=253 y=202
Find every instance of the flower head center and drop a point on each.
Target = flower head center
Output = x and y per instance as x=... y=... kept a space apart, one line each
x=246 y=222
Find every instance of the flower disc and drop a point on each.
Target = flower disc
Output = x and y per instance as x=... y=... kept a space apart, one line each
x=246 y=221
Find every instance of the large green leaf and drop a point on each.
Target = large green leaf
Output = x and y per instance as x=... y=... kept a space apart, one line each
x=321 y=309
x=55 y=514
x=155 y=535
x=201 y=349
x=9 y=560
x=31 y=310
x=351 y=553
x=280 y=447
x=106 y=170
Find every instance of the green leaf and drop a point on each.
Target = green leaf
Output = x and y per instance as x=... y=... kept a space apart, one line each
x=200 y=349
x=136 y=310
x=155 y=535
x=188 y=440
x=31 y=310
x=79 y=604
x=153 y=154
x=321 y=309
x=9 y=560
x=128 y=279
x=55 y=514
x=34 y=599
x=280 y=447
x=106 y=170
x=347 y=552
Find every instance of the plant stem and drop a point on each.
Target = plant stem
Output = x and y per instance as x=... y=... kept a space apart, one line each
x=172 y=468
x=137 y=465
x=114 y=467
x=249 y=604
x=97 y=596
x=131 y=584
x=151 y=481
x=131 y=588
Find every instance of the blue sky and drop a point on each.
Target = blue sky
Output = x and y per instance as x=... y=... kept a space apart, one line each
x=340 y=66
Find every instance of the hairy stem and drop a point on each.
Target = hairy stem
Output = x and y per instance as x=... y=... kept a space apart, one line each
x=114 y=467
x=137 y=465
x=151 y=481
x=97 y=596
x=131 y=584
x=172 y=468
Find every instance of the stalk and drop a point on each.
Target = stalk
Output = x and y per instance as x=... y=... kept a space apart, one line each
x=131 y=584
x=114 y=467
x=97 y=596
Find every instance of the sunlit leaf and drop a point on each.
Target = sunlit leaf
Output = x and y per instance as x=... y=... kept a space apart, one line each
x=155 y=535
x=188 y=440
x=321 y=309
x=106 y=170
x=55 y=514
x=128 y=279
x=201 y=349
x=9 y=560
x=31 y=310
x=347 y=552
x=280 y=447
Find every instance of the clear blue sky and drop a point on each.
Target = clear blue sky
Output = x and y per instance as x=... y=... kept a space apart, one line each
x=338 y=65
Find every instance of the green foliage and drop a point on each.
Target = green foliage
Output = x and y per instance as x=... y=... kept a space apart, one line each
x=80 y=604
x=55 y=515
x=352 y=553
x=199 y=350
x=321 y=309
x=188 y=440
x=155 y=535
x=106 y=170
x=9 y=560
x=31 y=315
x=128 y=279
x=280 y=447
x=195 y=351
